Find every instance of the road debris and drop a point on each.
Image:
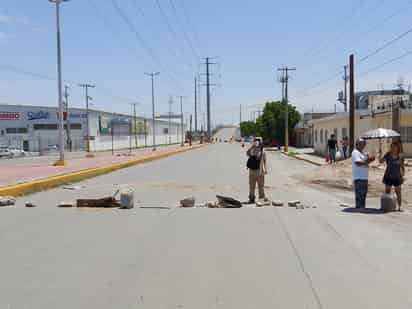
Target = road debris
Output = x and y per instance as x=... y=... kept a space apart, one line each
x=344 y=205
x=30 y=204
x=277 y=203
x=212 y=205
x=66 y=204
x=187 y=202
x=106 y=202
x=7 y=201
x=228 y=202
x=293 y=203
x=72 y=187
x=127 y=199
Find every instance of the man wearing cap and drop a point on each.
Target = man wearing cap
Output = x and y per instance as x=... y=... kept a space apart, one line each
x=257 y=170
x=360 y=172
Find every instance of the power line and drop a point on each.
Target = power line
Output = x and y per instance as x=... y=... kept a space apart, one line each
x=16 y=70
x=185 y=35
x=387 y=44
x=143 y=42
x=375 y=68
x=189 y=22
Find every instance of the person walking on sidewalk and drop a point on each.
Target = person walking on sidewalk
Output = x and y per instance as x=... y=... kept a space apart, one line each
x=332 y=148
x=360 y=173
x=395 y=170
x=256 y=164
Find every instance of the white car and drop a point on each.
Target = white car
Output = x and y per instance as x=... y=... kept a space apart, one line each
x=5 y=153
x=17 y=152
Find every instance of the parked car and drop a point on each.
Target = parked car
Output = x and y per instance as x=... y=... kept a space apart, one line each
x=17 y=152
x=5 y=153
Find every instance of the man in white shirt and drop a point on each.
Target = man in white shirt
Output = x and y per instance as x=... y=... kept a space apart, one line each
x=360 y=172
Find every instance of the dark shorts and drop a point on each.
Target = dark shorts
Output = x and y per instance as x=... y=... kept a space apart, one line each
x=395 y=182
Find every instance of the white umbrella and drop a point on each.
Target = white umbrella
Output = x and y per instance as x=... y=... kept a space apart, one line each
x=380 y=133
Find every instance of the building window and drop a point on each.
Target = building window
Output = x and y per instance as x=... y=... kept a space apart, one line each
x=15 y=131
x=316 y=136
x=406 y=134
x=43 y=126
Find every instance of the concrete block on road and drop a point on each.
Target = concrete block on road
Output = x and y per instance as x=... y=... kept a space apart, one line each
x=188 y=202
x=277 y=203
x=66 y=204
x=293 y=203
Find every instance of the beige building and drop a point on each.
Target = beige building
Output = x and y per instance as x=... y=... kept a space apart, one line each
x=378 y=115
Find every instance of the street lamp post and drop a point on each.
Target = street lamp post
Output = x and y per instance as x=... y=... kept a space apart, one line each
x=59 y=84
x=135 y=122
x=181 y=120
x=152 y=75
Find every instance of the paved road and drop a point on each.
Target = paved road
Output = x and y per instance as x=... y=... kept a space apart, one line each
x=203 y=258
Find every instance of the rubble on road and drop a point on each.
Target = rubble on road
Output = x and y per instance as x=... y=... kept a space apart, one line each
x=7 y=201
x=344 y=205
x=127 y=199
x=228 y=202
x=212 y=205
x=30 y=204
x=293 y=203
x=277 y=203
x=66 y=204
x=106 y=202
x=187 y=202
x=70 y=187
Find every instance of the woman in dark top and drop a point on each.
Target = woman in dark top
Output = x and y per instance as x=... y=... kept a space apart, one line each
x=395 y=170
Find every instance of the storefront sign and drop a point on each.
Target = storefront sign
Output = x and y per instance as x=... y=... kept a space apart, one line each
x=38 y=115
x=9 y=116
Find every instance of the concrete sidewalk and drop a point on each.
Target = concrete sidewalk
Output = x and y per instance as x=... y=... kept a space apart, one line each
x=32 y=169
x=306 y=154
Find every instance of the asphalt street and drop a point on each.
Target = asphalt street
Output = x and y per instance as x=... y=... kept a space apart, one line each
x=269 y=257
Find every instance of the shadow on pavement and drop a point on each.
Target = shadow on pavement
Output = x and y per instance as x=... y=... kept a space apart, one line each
x=371 y=211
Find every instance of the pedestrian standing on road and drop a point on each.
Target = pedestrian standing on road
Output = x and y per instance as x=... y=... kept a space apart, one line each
x=256 y=164
x=345 y=144
x=360 y=172
x=332 y=148
x=395 y=170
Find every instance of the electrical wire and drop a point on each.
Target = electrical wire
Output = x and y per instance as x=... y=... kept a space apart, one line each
x=185 y=35
x=375 y=68
x=190 y=23
x=144 y=44
x=40 y=76
x=384 y=46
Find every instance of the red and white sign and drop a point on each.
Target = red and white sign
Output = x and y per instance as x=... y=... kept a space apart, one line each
x=9 y=116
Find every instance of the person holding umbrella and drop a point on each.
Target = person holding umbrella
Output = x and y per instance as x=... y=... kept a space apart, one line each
x=395 y=170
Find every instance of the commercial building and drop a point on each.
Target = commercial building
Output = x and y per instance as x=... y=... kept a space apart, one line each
x=35 y=128
x=374 y=109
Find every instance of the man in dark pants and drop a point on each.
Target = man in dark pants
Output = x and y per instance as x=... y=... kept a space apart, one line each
x=360 y=172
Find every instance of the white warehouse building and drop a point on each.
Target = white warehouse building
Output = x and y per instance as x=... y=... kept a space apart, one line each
x=36 y=128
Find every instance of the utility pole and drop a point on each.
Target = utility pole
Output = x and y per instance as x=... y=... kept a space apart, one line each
x=66 y=95
x=181 y=119
x=240 y=114
x=145 y=131
x=190 y=131
x=170 y=119
x=195 y=104
x=285 y=81
x=351 y=103
x=152 y=75
x=59 y=84
x=208 y=85
x=135 y=122
x=345 y=89
x=86 y=88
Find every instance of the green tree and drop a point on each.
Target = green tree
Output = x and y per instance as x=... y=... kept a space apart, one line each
x=271 y=124
x=248 y=128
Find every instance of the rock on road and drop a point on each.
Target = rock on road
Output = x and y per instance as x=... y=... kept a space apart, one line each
x=265 y=257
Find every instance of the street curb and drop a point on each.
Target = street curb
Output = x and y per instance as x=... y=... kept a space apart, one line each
x=302 y=159
x=55 y=181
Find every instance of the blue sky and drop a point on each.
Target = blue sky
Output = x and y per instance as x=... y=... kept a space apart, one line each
x=249 y=38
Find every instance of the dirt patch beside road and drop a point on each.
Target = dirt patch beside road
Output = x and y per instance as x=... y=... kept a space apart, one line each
x=340 y=177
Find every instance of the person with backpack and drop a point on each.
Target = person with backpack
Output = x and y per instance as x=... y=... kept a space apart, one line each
x=256 y=164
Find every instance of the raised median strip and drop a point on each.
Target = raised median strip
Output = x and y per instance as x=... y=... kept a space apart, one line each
x=55 y=181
